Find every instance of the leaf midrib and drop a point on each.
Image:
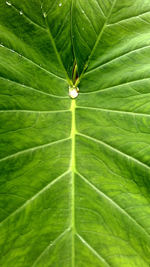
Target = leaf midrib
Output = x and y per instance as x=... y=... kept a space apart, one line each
x=73 y=167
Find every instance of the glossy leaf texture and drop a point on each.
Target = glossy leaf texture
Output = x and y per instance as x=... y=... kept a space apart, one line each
x=75 y=174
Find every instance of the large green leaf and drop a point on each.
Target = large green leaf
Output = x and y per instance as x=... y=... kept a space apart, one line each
x=75 y=174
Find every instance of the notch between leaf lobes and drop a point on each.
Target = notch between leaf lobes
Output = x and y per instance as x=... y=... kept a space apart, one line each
x=73 y=89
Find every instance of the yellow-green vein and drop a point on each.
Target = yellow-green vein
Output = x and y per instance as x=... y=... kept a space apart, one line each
x=73 y=165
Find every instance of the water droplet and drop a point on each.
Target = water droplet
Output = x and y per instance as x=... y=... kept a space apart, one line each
x=44 y=14
x=83 y=11
x=60 y=4
x=8 y=3
x=73 y=91
x=21 y=12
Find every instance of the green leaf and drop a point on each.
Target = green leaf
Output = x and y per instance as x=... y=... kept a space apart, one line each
x=75 y=174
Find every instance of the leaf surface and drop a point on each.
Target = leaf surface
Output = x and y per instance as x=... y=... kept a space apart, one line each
x=75 y=174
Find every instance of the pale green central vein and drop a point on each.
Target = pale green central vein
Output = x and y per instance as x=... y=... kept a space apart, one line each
x=73 y=132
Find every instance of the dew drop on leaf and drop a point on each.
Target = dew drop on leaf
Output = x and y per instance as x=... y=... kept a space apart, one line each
x=8 y=3
x=60 y=4
x=73 y=92
x=21 y=12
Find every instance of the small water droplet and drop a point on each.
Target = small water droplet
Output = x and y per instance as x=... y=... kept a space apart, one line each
x=8 y=3
x=44 y=14
x=73 y=91
x=83 y=11
x=21 y=12
x=60 y=4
